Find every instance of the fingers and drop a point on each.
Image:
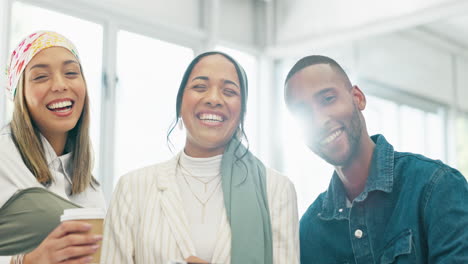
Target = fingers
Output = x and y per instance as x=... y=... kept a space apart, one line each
x=76 y=254
x=77 y=239
x=70 y=242
x=78 y=260
x=76 y=245
x=70 y=227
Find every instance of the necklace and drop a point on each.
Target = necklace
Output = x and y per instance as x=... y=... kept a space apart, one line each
x=203 y=203
x=205 y=183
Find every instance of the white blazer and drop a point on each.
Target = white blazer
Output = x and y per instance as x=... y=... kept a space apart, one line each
x=15 y=176
x=146 y=222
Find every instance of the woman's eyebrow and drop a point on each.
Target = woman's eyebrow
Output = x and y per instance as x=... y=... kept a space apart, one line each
x=39 y=66
x=231 y=82
x=205 y=78
x=69 y=62
x=43 y=65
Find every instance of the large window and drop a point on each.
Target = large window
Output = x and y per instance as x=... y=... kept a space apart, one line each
x=87 y=37
x=150 y=72
x=407 y=128
x=382 y=117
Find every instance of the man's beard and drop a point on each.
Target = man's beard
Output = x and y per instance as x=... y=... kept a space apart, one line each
x=353 y=132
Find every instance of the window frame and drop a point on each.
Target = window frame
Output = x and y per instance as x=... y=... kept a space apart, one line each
x=112 y=23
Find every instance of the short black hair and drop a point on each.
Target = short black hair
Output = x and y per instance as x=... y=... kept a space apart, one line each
x=317 y=59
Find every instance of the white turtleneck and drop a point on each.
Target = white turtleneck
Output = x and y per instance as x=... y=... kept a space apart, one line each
x=191 y=172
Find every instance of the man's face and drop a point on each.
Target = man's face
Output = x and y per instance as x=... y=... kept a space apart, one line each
x=331 y=111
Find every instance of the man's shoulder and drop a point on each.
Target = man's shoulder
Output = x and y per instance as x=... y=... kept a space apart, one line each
x=410 y=162
x=424 y=174
x=420 y=165
x=417 y=158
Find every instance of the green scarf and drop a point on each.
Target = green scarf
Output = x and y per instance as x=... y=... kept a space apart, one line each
x=246 y=202
x=28 y=217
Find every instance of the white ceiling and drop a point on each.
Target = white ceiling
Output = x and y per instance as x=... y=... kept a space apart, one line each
x=454 y=30
x=307 y=23
x=317 y=17
x=300 y=24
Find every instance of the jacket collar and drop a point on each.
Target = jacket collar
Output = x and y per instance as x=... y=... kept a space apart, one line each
x=54 y=161
x=171 y=203
x=380 y=179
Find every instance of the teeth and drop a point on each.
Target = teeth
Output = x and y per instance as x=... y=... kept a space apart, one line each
x=211 y=117
x=60 y=105
x=62 y=110
x=331 y=137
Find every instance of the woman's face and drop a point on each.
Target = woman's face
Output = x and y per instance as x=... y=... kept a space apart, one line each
x=54 y=90
x=211 y=106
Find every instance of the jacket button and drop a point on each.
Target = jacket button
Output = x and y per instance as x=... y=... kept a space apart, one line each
x=340 y=210
x=358 y=233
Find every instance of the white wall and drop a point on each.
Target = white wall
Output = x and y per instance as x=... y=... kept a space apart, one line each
x=177 y=13
x=345 y=55
x=236 y=18
x=462 y=83
x=408 y=65
x=237 y=21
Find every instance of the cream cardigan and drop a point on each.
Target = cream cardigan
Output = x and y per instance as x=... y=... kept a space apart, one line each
x=146 y=222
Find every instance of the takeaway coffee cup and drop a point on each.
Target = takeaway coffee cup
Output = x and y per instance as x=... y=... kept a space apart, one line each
x=93 y=216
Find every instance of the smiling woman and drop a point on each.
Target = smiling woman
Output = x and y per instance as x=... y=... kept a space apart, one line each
x=212 y=106
x=45 y=154
x=55 y=93
x=215 y=199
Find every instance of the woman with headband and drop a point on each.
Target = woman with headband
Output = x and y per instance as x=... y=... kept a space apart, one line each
x=214 y=200
x=45 y=155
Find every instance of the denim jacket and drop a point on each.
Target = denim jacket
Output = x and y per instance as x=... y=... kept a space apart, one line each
x=412 y=210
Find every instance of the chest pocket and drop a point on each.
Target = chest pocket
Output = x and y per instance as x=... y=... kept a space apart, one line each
x=399 y=249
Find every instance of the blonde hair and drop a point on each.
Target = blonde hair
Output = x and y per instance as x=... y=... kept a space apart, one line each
x=27 y=139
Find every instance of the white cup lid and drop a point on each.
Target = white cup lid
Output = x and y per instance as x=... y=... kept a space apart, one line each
x=82 y=213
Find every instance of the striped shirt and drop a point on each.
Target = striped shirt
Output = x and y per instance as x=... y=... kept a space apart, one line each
x=146 y=222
